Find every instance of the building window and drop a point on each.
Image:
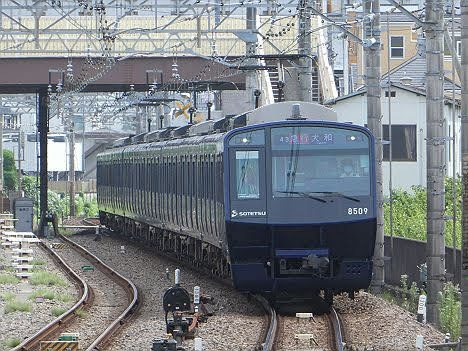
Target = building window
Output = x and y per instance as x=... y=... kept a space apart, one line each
x=392 y=93
x=396 y=47
x=459 y=48
x=403 y=143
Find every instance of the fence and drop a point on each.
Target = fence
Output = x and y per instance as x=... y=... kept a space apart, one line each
x=408 y=254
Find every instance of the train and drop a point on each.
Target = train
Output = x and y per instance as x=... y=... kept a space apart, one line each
x=280 y=199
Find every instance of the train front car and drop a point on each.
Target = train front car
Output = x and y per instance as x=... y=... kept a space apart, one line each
x=301 y=212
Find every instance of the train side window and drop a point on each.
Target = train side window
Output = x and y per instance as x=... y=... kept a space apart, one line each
x=247 y=175
x=255 y=137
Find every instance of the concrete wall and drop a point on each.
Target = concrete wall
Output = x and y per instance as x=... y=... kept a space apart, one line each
x=408 y=255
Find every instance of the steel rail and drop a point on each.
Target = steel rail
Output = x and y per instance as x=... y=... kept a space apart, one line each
x=130 y=288
x=58 y=324
x=268 y=340
x=337 y=329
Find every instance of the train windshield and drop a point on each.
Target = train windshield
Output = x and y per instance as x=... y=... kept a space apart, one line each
x=319 y=161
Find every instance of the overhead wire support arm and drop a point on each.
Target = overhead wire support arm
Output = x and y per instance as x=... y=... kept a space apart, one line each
x=408 y=13
x=339 y=26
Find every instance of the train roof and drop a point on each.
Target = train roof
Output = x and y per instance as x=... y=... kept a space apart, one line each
x=287 y=110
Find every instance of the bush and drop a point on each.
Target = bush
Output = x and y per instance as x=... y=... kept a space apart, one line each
x=10 y=172
x=409 y=213
x=13 y=306
x=450 y=310
x=46 y=278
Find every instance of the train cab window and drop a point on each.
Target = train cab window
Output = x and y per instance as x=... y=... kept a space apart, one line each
x=247 y=174
x=255 y=137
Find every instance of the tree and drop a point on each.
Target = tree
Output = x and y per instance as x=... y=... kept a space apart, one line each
x=9 y=170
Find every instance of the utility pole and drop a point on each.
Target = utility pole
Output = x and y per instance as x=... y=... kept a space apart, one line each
x=374 y=121
x=464 y=141
x=251 y=80
x=20 y=145
x=71 y=174
x=2 y=118
x=43 y=128
x=435 y=154
x=304 y=44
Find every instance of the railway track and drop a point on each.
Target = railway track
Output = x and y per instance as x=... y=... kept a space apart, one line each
x=328 y=331
x=67 y=320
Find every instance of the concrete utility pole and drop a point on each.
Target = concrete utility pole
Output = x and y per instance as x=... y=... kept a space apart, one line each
x=20 y=145
x=251 y=80
x=2 y=118
x=435 y=154
x=304 y=44
x=464 y=141
x=43 y=128
x=71 y=173
x=374 y=121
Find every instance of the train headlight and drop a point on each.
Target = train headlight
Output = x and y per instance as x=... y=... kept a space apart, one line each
x=245 y=140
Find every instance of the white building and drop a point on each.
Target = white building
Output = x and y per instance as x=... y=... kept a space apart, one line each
x=408 y=114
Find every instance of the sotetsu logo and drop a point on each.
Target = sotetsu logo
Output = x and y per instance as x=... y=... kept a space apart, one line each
x=234 y=213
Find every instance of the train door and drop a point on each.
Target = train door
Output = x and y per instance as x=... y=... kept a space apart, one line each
x=247 y=184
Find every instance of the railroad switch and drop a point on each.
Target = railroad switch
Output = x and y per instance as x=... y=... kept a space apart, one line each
x=164 y=345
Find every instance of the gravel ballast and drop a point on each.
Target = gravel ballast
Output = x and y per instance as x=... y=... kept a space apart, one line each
x=110 y=300
x=237 y=322
x=21 y=325
x=377 y=324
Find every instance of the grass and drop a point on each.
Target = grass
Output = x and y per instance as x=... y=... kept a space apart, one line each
x=8 y=279
x=14 y=305
x=64 y=297
x=12 y=342
x=46 y=278
x=50 y=295
x=58 y=311
x=38 y=262
x=80 y=313
x=8 y=296
x=46 y=294
x=9 y=269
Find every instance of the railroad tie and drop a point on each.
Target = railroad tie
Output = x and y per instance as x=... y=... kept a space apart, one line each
x=59 y=345
x=59 y=245
x=305 y=337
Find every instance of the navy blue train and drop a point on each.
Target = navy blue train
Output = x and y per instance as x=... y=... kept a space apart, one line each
x=279 y=199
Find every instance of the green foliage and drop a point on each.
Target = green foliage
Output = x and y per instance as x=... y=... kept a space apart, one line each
x=46 y=294
x=64 y=297
x=58 y=311
x=80 y=313
x=10 y=173
x=13 y=342
x=50 y=295
x=450 y=310
x=8 y=279
x=409 y=213
x=46 y=278
x=59 y=203
x=404 y=286
x=38 y=262
x=8 y=161
x=14 y=305
x=8 y=296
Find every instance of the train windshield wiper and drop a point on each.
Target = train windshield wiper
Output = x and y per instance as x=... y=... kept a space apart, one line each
x=304 y=194
x=337 y=194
